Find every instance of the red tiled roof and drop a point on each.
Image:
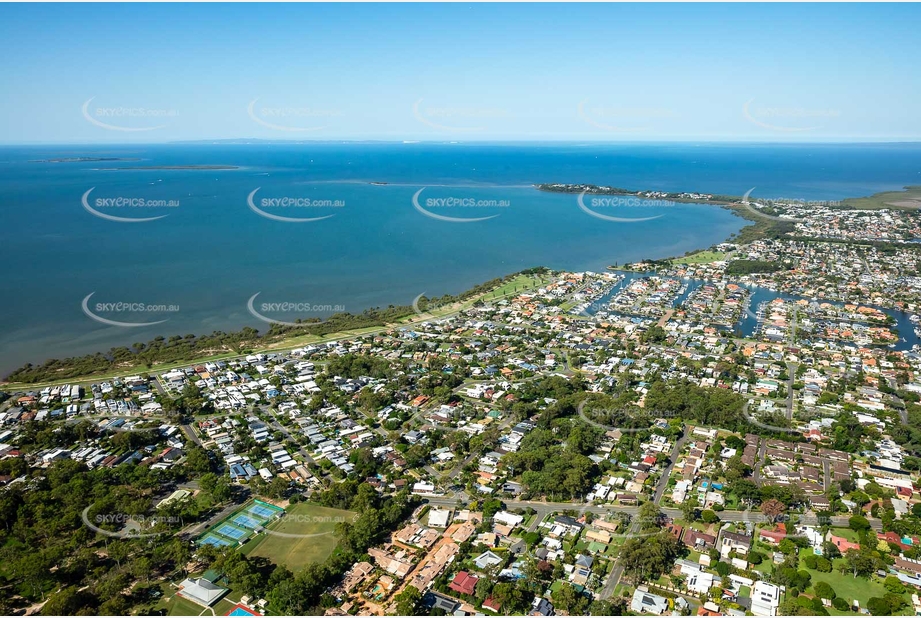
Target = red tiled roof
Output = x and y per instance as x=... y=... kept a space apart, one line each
x=464 y=582
x=843 y=544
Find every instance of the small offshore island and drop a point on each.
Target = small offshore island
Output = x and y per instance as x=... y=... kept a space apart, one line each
x=172 y=167
x=83 y=160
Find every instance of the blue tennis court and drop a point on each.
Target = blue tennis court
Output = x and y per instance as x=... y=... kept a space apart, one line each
x=241 y=525
x=232 y=532
x=210 y=539
x=246 y=522
x=262 y=512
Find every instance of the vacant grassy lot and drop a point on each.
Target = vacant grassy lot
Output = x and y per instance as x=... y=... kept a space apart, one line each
x=701 y=257
x=518 y=284
x=305 y=535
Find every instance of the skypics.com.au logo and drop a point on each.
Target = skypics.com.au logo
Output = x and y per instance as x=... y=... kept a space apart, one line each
x=757 y=208
x=128 y=526
x=624 y=420
x=297 y=119
x=457 y=119
x=290 y=204
x=618 y=119
x=782 y=525
x=311 y=520
x=457 y=204
x=125 y=204
x=120 y=118
x=119 y=308
x=617 y=201
x=427 y=307
x=787 y=119
x=305 y=313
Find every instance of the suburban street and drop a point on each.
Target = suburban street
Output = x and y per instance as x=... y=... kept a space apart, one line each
x=791 y=369
x=544 y=508
x=618 y=570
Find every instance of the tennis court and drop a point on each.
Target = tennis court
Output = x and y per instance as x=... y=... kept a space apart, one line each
x=232 y=532
x=211 y=539
x=239 y=526
x=246 y=522
x=263 y=511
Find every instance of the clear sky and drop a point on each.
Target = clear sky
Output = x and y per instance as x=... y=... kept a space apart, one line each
x=74 y=73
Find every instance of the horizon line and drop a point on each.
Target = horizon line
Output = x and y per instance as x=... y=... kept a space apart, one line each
x=409 y=142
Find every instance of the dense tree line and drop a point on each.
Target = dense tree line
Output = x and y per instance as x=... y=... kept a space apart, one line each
x=713 y=407
x=48 y=552
x=748 y=267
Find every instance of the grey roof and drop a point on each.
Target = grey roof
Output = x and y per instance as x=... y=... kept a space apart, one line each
x=648 y=603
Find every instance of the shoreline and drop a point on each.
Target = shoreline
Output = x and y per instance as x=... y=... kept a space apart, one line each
x=285 y=338
x=761 y=227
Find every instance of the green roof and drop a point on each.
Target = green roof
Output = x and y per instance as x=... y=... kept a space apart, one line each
x=212 y=575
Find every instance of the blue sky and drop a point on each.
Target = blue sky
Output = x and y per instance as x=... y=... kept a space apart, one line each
x=615 y=72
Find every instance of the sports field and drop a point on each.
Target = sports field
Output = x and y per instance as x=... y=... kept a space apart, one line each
x=303 y=536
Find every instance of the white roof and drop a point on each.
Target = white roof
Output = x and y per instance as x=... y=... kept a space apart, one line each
x=201 y=591
x=438 y=518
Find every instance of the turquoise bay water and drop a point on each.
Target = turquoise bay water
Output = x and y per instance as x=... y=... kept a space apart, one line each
x=212 y=253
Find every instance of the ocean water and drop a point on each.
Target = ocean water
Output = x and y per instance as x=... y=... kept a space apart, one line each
x=212 y=252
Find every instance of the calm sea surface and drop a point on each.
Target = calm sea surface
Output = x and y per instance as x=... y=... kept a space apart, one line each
x=212 y=252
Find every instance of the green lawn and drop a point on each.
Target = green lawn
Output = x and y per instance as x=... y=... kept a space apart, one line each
x=765 y=566
x=614 y=546
x=520 y=283
x=846 y=533
x=846 y=585
x=225 y=605
x=701 y=257
x=177 y=606
x=317 y=525
x=528 y=520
